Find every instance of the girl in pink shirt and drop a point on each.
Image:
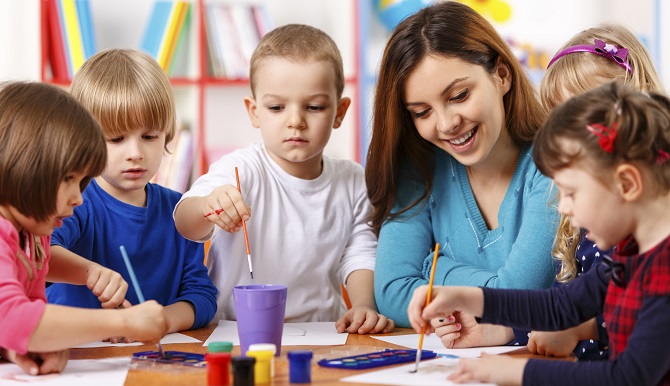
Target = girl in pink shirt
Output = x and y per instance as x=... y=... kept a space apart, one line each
x=51 y=148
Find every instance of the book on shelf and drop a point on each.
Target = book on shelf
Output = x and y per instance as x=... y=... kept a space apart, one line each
x=167 y=22
x=71 y=37
x=177 y=165
x=233 y=32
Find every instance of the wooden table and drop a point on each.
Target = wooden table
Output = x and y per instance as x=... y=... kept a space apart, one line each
x=198 y=377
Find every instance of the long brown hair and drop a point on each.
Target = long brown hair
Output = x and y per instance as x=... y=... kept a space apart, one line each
x=45 y=135
x=447 y=29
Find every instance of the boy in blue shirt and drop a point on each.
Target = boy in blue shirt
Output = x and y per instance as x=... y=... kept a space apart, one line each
x=130 y=95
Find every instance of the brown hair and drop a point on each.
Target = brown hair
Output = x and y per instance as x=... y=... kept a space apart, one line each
x=126 y=90
x=447 y=29
x=576 y=73
x=642 y=123
x=298 y=42
x=45 y=135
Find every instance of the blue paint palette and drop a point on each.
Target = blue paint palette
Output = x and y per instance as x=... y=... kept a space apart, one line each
x=173 y=357
x=376 y=359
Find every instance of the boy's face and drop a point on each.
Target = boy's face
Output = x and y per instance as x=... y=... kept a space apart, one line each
x=132 y=160
x=296 y=107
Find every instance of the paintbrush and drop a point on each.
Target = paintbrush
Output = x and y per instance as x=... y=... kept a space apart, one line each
x=138 y=290
x=244 y=228
x=428 y=299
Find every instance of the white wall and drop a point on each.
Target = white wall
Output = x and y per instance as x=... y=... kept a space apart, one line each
x=19 y=39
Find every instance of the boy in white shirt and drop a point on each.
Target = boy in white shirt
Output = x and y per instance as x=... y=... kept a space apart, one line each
x=308 y=227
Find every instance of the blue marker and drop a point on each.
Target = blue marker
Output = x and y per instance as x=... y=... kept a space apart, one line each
x=138 y=290
x=131 y=272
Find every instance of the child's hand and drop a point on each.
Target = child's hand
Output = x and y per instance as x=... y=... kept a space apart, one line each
x=38 y=363
x=118 y=339
x=361 y=320
x=458 y=330
x=146 y=322
x=446 y=301
x=107 y=285
x=498 y=369
x=226 y=208
x=415 y=310
x=553 y=343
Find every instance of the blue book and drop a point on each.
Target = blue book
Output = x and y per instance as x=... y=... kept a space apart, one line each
x=86 y=26
x=158 y=22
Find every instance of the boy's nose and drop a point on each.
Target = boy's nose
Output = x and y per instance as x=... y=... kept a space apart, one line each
x=134 y=150
x=296 y=120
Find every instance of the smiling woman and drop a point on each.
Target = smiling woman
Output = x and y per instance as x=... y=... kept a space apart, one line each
x=450 y=163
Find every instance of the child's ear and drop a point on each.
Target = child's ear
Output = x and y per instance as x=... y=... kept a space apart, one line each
x=629 y=182
x=342 y=107
x=250 y=104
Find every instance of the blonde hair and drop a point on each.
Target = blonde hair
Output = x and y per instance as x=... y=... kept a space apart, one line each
x=642 y=122
x=126 y=90
x=298 y=42
x=576 y=73
x=45 y=134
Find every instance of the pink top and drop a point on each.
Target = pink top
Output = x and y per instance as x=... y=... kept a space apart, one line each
x=22 y=299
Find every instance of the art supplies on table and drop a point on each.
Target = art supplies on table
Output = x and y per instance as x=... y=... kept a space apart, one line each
x=172 y=357
x=376 y=359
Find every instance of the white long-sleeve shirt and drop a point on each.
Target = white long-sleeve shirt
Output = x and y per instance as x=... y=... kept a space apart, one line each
x=306 y=234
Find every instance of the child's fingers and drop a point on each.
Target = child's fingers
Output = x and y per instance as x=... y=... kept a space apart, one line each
x=26 y=363
x=53 y=362
x=415 y=308
x=241 y=210
x=113 y=297
x=381 y=325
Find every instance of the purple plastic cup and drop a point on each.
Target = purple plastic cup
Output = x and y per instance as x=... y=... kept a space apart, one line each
x=260 y=314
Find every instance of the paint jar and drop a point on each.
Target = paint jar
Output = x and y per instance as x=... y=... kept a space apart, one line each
x=243 y=371
x=262 y=373
x=300 y=366
x=218 y=363
x=266 y=347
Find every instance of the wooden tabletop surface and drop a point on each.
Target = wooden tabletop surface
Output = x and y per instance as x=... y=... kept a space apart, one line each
x=179 y=375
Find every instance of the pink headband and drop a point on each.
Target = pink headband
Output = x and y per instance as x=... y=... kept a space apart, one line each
x=599 y=47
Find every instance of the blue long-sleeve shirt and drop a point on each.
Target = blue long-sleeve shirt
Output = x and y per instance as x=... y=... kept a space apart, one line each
x=517 y=254
x=169 y=268
x=645 y=360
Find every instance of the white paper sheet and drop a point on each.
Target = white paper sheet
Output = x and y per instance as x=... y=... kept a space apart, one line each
x=295 y=334
x=433 y=343
x=84 y=372
x=431 y=373
x=174 y=337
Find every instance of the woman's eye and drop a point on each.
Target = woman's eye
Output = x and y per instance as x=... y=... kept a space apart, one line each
x=115 y=139
x=461 y=96
x=420 y=114
x=150 y=137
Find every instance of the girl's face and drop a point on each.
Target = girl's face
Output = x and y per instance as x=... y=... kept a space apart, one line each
x=69 y=196
x=458 y=107
x=592 y=205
